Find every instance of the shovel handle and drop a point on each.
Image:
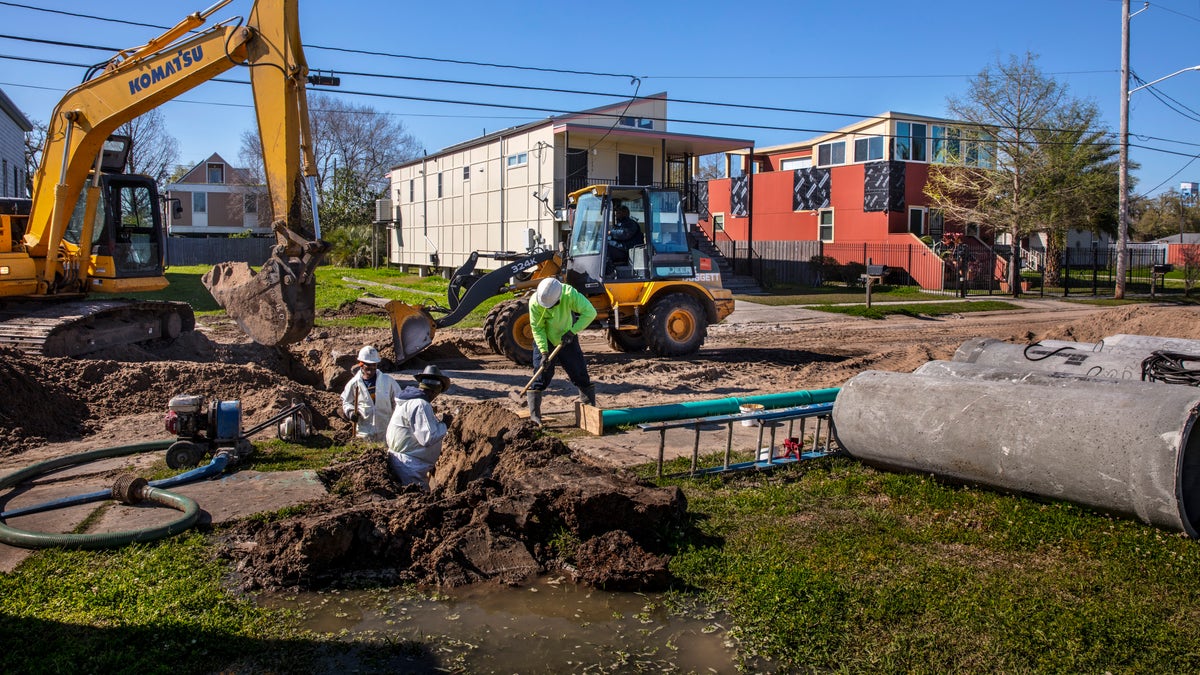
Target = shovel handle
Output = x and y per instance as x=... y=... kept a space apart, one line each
x=542 y=367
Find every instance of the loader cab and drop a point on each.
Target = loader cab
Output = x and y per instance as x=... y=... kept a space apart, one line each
x=605 y=247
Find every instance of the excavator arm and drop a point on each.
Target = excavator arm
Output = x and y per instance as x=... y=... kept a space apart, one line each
x=275 y=306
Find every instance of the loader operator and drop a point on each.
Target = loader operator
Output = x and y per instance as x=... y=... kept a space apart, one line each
x=624 y=235
x=368 y=396
x=415 y=433
x=553 y=309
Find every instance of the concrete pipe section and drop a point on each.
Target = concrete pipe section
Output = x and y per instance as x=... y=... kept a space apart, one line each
x=1060 y=358
x=1124 y=447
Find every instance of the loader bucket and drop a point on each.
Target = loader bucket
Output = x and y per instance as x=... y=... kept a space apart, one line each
x=412 y=329
x=272 y=306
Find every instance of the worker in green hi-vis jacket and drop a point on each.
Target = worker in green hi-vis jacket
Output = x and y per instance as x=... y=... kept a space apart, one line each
x=557 y=313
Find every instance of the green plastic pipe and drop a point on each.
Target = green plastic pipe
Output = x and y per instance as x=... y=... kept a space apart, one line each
x=722 y=406
x=26 y=539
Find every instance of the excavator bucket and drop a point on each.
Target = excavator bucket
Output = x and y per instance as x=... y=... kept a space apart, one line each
x=412 y=329
x=275 y=306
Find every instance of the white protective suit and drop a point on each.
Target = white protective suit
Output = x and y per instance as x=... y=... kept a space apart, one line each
x=414 y=441
x=373 y=414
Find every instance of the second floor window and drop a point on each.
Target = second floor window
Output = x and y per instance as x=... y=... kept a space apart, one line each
x=909 y=142
x=831 y=153
x=519 y=159
x=216 y=174
x=868 y=149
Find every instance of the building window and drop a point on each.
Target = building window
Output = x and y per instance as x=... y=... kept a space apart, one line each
x=634 y=169
x=216 y=174
x=519 y=159
x=909 y=142
x=916 y=220
x=4 y=177
x=825 y=225
x=199 y=202
x=718 y=222
x=947 y=145
x=636 y=122
x=439 y=193
x=412 y=190
x=795 y=163
x=466 y=173
x=868 y=149
x=831 y=153
x=251 y=204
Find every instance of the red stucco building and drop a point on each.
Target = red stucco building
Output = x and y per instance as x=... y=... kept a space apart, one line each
x=860 y=185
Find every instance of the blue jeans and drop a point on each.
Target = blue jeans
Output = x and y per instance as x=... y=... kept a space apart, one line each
x=571 y=358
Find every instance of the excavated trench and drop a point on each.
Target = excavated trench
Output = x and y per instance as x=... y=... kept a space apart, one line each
x=506 y=503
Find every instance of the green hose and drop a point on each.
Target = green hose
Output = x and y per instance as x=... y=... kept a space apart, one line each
x=25 y=539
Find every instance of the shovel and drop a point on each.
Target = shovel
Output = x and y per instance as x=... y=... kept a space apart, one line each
x=519 y=396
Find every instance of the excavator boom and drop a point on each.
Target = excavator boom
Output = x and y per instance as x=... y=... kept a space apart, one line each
x=84 y=222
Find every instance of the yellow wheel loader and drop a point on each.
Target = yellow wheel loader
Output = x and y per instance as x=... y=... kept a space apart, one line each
x=91 y=229
x=628 y=251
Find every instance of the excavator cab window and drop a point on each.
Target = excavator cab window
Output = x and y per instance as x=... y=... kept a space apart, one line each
x=132 y=231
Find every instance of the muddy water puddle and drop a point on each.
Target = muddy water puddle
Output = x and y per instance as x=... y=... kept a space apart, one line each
x=548 y=626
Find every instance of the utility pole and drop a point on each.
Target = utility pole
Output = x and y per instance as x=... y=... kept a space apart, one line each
x=1123 y=172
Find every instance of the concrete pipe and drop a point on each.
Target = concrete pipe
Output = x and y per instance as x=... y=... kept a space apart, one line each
x=1149 y=343
x=1126 y=448
x=1081 y=362
x=978 y=372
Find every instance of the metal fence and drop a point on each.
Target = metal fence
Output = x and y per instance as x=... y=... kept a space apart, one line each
x=213 y=250
x=972 y=269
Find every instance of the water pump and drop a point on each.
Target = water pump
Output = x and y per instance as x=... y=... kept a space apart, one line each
x=203 y=430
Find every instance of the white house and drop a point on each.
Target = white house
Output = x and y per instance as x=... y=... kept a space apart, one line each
x=13 y=127
x=487 y=193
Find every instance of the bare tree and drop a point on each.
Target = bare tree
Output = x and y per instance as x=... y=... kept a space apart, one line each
x=710 y=167
x=1009 y=101
x=153 y=152
x=358 y=138
x=34 y=142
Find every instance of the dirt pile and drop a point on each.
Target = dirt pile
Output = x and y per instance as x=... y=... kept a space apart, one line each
x=1180 y=322
x=58 y=399
x=506 y=503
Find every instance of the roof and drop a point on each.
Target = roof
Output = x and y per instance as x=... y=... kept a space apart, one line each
x=9 y=108
x=564 y=121
x=854 y=128
x=1185 y=238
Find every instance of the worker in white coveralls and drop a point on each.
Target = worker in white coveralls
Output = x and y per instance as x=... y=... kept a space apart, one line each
x=368 y=397
x=414 y=435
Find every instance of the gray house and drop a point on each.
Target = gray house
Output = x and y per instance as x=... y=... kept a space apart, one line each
x=13 y=127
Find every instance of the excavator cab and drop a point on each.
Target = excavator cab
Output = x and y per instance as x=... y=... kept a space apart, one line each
x=127 y=236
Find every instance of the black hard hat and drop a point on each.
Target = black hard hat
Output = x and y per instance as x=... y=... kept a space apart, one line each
x=431 y=374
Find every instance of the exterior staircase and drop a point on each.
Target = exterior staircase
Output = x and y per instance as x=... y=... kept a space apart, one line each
x=739 y=284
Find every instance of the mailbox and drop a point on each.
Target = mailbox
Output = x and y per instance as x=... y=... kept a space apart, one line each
x=1163 y=269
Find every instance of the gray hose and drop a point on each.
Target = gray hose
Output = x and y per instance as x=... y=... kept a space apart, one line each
x=25 y=539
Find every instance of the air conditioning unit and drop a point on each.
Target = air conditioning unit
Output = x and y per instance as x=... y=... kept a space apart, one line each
x=383 y=210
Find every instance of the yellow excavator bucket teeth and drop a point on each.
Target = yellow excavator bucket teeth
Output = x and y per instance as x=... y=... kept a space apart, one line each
x=412 y=329
x=273 y=306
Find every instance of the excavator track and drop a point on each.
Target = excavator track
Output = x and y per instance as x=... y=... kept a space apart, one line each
x=77 y=327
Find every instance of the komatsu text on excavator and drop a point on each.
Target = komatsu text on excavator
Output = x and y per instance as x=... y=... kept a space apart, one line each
x=89 y=229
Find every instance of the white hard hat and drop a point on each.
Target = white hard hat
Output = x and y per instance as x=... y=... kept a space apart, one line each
x=548 y=292
x=368 y=354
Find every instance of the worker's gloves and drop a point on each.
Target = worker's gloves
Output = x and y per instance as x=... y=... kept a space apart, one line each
x=569 y=337
x=354 y=416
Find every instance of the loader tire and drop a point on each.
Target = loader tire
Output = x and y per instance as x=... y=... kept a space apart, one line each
x=513 y=333
x=627 y=341
x=675 y=325
x=489 y=328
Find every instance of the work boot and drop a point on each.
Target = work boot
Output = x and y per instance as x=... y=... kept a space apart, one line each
x=535 y=407
x=588 y=394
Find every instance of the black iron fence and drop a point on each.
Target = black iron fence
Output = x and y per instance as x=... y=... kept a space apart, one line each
x=1093 y=270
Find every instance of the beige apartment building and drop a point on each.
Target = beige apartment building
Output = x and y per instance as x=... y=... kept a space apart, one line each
x=496 y=192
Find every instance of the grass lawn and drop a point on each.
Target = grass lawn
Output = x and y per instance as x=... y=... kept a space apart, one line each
x=336 y=288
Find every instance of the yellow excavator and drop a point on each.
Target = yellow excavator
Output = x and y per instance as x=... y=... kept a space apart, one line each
x=660 y=293
x=90 y=229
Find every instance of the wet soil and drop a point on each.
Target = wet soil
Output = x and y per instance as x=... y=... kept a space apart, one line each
x=507 y=501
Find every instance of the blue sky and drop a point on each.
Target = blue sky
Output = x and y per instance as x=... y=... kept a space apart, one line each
x=847 y=56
